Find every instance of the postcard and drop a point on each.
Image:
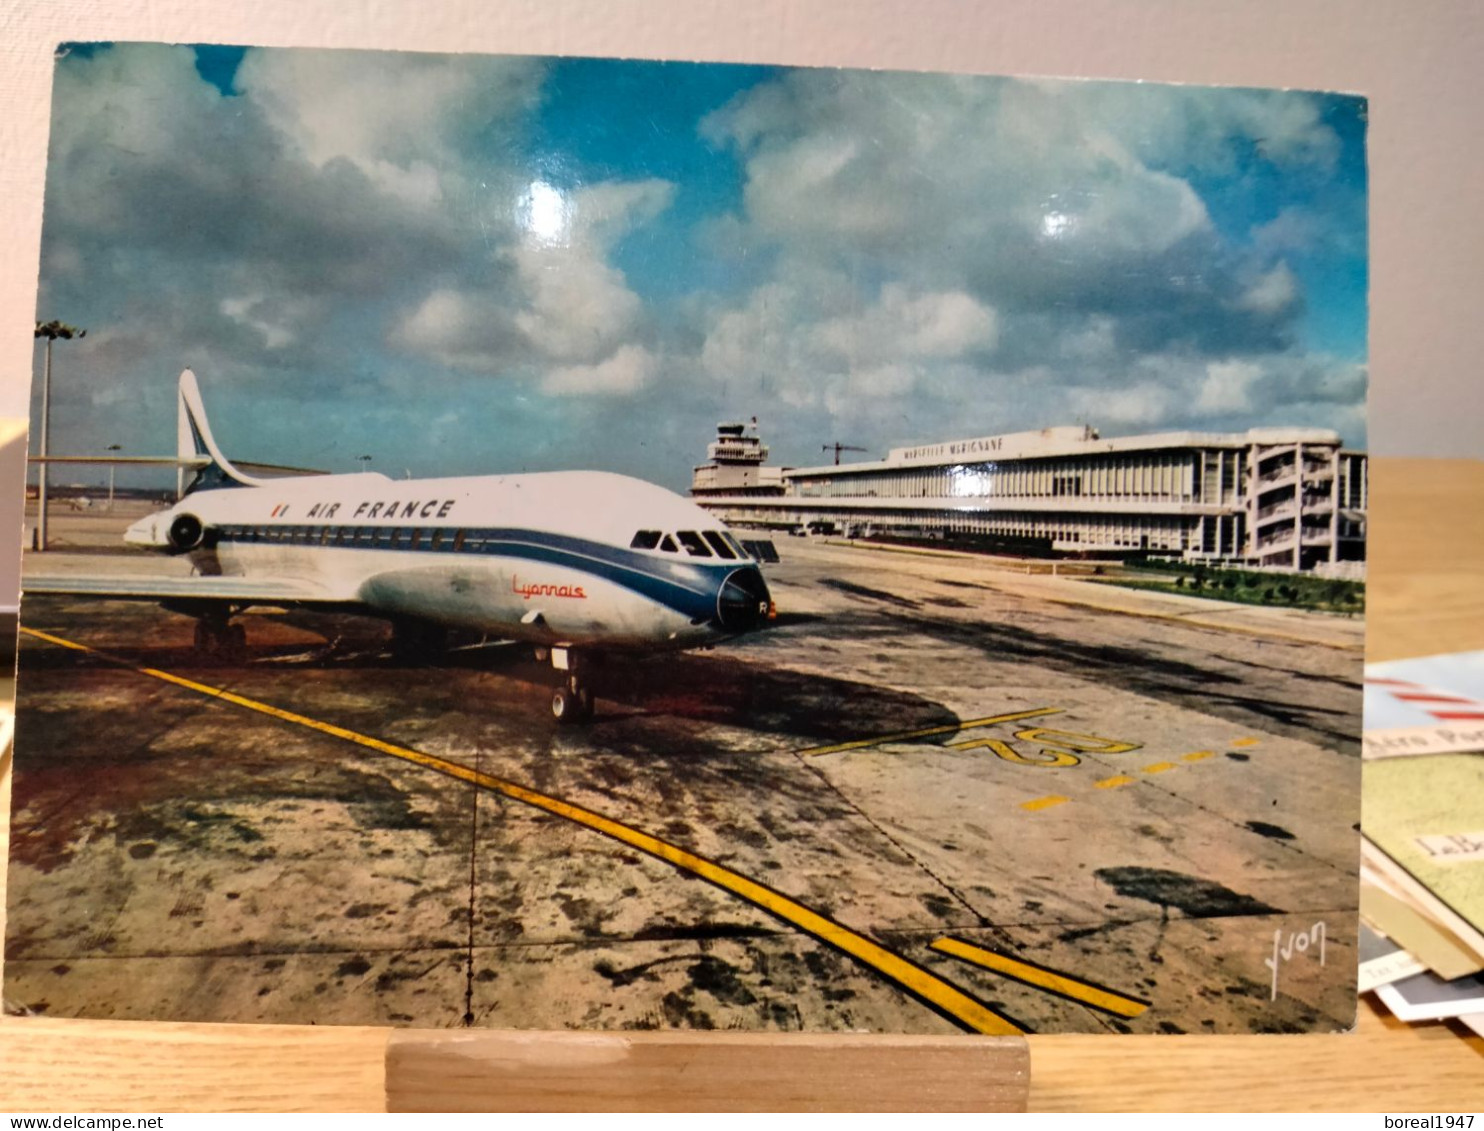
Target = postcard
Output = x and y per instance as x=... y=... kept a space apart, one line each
x=1429 y=705
x=1395 y=902
x=1427 y=815
x=1382 y=961
x=595 y=544
x=1434 y=945
x=1426 y=997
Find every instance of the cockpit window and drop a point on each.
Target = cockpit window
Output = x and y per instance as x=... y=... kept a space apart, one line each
x=737 y=547
x=693 y=544
x=715 y=540
x=645 y=540
x=667 y=544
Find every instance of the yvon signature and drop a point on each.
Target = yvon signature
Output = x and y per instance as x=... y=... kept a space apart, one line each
x=1298 y=943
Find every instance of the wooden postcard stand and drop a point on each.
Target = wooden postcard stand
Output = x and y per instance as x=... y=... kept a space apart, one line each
x=464 y=1071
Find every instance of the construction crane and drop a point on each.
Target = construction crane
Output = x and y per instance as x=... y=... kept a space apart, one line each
x=838 y=448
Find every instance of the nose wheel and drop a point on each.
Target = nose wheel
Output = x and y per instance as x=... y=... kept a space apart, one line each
x=572 y=701
x=572 y=704
x=218 y=637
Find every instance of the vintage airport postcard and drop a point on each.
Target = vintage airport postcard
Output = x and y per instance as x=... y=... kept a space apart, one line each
x=571 y=543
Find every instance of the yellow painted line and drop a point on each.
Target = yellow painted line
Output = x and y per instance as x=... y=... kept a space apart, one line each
x=906 y=735
x=1043 y=803
x=942 y=995
x=1114 y=782
x=56 y=640
x=1063 y=985
x=1245 y=742
x=1197 y=755
x=1160 y=767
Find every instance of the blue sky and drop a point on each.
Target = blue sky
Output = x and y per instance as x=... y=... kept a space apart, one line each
x=465 y=264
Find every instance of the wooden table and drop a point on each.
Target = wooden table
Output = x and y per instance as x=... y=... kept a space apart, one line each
x=1426 y=595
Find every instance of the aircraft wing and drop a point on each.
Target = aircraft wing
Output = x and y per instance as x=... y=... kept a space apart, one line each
x=235 y=590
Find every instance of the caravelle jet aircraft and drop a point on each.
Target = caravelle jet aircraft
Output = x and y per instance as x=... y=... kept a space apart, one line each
x=578 y=563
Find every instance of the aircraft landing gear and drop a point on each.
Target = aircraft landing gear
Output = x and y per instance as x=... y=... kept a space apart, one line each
x=570 y=705
x=572 y=701
x=218 y=637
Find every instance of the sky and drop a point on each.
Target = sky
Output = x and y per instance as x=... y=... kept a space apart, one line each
x=462 y=264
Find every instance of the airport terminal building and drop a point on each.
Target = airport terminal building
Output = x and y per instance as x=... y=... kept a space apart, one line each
x=1278 y=498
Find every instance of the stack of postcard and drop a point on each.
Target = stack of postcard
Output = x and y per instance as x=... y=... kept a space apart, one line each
x=1422 y=870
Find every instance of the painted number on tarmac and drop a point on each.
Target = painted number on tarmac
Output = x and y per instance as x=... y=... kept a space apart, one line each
x=1057 y=748
x=1047 y=747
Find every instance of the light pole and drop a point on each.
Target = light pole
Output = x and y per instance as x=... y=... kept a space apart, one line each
x=365 y=462
x=51 y=331
x=112 y=448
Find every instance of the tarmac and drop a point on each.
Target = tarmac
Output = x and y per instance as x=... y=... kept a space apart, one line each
x=939 y=794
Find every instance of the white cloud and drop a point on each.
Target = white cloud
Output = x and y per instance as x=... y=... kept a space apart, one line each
x=603 y=213
x=901 y=324
x=1227 y=387
x=1209 y=128
x=933 y=236
x=1272 y=293
x=576 y=306
x=562 y=301
x=809 y=336
x=398 y=117
x=1144 y=405
x=626 y=371
x=241 y=310
x=915 y=255
x=940 y=170
x=889 y=380
x=1095 y=340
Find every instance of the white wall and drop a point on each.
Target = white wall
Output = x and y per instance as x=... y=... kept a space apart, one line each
x=1421 y=63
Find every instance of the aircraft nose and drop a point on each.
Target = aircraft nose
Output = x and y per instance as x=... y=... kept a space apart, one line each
x=144 y=533
x=743 y=601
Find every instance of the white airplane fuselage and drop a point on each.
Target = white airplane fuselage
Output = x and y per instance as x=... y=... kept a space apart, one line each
x=555 y=558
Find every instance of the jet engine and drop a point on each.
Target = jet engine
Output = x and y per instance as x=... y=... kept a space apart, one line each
x=186 y=533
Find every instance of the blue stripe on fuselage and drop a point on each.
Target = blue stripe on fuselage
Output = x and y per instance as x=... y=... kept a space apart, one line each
x=649 y=575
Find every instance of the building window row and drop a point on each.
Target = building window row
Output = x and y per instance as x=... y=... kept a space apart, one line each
x=1172 y=477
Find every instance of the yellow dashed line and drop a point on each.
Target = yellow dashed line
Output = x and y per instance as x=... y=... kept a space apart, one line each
x=972 y=1014
x=1114 y=782
x=1245 y=742
x=952 y=728
x=1197 y=755
x=1160 y=767
x=1063 y=985
x=1043 y=802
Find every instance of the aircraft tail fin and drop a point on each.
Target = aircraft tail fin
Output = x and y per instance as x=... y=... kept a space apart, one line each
x=195 y=443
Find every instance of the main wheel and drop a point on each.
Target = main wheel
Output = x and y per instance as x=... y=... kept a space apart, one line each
x=205 y=639
x=572 y=704
x=234 y=641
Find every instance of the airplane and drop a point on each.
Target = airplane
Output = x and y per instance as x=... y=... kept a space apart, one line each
x=580 y=564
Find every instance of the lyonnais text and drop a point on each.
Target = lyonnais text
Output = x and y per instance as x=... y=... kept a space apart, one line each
x=537 y=589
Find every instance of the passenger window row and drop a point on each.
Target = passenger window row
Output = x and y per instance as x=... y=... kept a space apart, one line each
x=698 y=544
x=382 y=538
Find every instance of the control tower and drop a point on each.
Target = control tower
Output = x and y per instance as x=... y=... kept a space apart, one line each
x=734 y=464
